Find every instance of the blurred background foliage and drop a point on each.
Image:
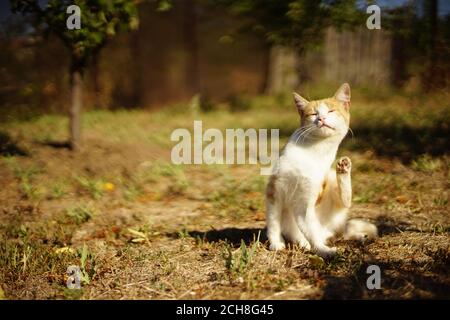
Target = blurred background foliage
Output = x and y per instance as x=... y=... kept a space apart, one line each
x=218 y=51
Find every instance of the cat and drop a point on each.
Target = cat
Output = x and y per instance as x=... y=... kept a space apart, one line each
x=307 y=201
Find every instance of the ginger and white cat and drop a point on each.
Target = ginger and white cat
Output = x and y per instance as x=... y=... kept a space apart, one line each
x=306 y=200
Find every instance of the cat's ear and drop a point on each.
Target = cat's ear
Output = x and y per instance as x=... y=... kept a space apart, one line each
x=300 y=102
x=343 y=95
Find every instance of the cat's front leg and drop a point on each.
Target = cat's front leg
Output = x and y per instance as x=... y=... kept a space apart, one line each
x=273 y=221
x=343 y=170
x=313 y=231
x=292 y=232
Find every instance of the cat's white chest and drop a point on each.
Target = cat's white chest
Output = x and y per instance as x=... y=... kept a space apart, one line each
x=306 y=163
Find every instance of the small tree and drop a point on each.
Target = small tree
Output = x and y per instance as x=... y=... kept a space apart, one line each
x=100 y=21
x=291 y=26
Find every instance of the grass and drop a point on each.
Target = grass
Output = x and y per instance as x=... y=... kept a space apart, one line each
x=138 y=226
x=80 y=214
x=238 y=263
x=26 y=177
x=95 y=188
x=58 y=190
x=426 y=163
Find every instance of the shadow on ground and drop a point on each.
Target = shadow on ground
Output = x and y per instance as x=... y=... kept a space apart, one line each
x=56 y=144
x=234 y=236
x=8 y=147
x=398 y=281
x=387 y=225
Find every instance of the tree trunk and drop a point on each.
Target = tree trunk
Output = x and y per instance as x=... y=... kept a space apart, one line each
x=282 y=70
x=191 y=45
x=76 y=83
x=137 y=72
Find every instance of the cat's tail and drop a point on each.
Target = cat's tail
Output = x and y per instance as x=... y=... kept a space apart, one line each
x=357 y=229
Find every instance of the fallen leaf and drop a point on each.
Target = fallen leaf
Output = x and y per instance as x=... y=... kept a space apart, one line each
x=402 y=199
x=316 y=261
x=115 y=229
x=137 y=233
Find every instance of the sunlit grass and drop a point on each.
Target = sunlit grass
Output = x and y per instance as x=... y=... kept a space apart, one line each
x=139 y=226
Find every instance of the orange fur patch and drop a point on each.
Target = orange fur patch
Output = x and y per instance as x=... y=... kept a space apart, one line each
x=322 y=190
x=332 y=103
x=270 y=191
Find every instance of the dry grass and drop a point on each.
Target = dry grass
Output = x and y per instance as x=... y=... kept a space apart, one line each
x=141 y=227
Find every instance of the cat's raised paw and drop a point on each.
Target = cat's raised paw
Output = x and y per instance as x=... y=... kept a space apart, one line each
x=344 y=165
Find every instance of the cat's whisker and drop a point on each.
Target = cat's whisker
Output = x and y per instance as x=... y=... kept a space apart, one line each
x=351 y=131
x=296 y=132
x=306 y=133
x=299 y=132
x=303 y=131
x=302 y=136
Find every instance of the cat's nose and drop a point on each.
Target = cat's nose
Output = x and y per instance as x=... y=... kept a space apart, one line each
x=321 y=120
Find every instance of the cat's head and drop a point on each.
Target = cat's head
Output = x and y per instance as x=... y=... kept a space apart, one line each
x=326 y=117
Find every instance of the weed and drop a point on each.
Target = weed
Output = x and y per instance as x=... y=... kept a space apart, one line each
x=26 y=177
x=238 y=263
x=80 y=214
x=132 y=191
x=31 y=258
x=426 y=163
x=29 y=191
x=58 y=191
x=178 y=187
x=178 y=183
x=22 y=173
x=164 y=169
x=92 y=186
x=88 y=264
x=441 y=200
x=183 y=234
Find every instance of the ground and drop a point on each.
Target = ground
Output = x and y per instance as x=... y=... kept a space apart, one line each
x=140 y=227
